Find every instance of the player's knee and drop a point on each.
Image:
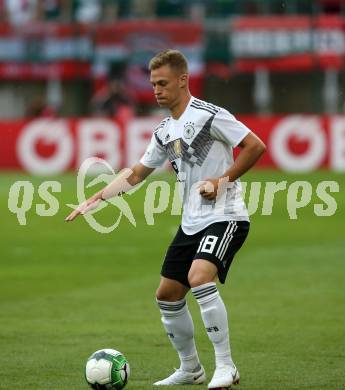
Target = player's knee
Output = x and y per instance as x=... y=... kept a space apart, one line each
x=171 y=294
x=165 y=295
x=196 y=279
x=161 y=294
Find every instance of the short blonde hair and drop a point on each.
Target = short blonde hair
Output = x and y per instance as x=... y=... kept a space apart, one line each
x=174 y=58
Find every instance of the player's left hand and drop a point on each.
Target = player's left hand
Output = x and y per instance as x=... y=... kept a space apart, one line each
x=209 y=188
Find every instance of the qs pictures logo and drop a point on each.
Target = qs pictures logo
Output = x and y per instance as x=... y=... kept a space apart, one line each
x=119 y=202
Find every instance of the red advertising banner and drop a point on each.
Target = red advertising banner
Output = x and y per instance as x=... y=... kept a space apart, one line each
x=51 y=146
x=287 y=43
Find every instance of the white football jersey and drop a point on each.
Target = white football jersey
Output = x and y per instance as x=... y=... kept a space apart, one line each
x=199 y=146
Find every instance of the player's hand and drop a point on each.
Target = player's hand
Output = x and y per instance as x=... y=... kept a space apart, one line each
x=83 y=208
x=209 y=188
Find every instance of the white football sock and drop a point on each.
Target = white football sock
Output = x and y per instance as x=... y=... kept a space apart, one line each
x=179 y=326
x=214 y=315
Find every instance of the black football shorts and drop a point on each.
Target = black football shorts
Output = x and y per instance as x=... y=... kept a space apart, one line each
x=217 y=243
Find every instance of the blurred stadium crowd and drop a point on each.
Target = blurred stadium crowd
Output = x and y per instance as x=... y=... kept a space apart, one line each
x=89 y=57
x=88 y=11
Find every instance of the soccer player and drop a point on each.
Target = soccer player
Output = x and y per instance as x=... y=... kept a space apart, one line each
x=197 y=138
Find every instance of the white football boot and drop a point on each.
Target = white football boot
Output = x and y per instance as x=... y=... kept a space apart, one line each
x=181 y=377
x=224 y=377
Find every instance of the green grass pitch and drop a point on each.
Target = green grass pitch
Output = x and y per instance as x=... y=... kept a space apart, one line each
x=66 y=291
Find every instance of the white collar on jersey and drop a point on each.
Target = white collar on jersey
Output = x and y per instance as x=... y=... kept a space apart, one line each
x=185 y=110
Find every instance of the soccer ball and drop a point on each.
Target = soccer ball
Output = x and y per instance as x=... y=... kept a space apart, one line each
x=107 y=369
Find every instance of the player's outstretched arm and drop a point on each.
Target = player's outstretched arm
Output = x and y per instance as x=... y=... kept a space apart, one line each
x=251 y=150
x=124 y=181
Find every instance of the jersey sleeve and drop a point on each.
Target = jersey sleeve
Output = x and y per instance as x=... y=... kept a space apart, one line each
x=155 y=155
x=226 y=128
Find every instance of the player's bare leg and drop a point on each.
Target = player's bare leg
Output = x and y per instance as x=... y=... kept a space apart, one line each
x=178 y=324
x=202 y=276
x=171 y=290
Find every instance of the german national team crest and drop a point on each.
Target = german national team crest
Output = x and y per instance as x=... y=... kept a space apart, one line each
x=177 y=147
x=188 y=130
